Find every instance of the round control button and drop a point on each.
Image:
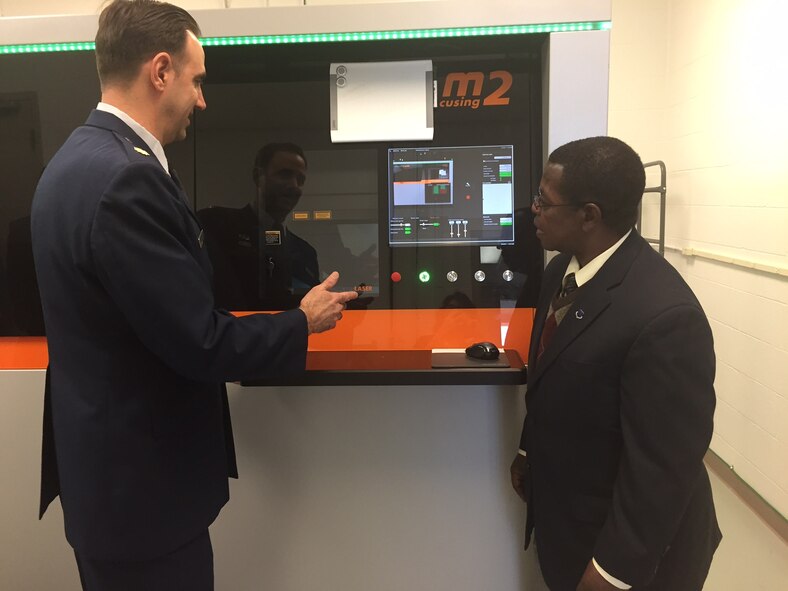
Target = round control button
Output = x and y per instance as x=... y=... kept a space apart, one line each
x=452 y=276
x=396 y=277
x=479 y=276
x=508 y=275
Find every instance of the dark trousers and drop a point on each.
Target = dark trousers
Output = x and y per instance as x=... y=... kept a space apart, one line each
x=189 y=568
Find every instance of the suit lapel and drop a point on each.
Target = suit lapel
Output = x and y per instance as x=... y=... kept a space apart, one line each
x=550 y=284
x=538 y=326
x=185 y=198
x=591 y=303
x=593 y=300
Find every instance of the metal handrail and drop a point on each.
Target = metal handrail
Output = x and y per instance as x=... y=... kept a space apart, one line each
x=662 y=190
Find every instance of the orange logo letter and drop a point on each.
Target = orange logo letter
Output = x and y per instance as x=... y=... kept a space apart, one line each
x=496 y=97
x=463 y=80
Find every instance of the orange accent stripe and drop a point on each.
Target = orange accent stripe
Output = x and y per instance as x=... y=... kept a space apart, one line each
x=423 y=182
x=23 y=353
x=363 y=330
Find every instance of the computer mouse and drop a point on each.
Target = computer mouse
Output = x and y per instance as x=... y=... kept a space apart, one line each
x=484 y=350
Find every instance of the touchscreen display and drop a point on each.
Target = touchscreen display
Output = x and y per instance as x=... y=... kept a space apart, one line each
x=451 y=196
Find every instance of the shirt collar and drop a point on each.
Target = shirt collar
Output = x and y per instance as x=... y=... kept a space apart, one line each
x=145 y=135
x=585 y=274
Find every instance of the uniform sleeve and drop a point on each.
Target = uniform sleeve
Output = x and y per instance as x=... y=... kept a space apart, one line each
x=147 y=255
x=667 y=408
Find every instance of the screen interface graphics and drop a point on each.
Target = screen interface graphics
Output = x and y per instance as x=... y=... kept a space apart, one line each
x=461 y=195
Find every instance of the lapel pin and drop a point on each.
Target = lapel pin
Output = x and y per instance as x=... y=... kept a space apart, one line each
x=141 y=151
x=579 y=314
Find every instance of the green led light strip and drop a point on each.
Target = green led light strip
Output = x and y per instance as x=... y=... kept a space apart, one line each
x=406 y=35
x=47 y=47
x=340 y=37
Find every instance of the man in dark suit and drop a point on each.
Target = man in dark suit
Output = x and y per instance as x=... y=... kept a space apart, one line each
x=259 y=262
x=137 y=438
x=620 y=397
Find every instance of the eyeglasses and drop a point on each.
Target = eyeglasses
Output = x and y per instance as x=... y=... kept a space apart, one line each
x=538 y=203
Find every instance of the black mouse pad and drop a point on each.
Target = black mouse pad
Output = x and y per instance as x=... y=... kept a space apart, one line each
x=455 y=360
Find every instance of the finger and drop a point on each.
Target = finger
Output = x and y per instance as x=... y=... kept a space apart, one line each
x=345 y=296
x=330 y=281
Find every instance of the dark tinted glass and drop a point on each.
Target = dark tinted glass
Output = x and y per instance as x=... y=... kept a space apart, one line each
x=43 y=97
x=339 y=218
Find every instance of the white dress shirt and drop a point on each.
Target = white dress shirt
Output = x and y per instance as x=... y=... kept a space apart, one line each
x=144 y=134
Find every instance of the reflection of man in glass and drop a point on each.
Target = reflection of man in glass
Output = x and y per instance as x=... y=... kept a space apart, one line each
x=259 y=264
x=279 y=174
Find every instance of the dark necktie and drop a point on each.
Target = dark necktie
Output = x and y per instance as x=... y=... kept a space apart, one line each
x=570 y=284
x=563 y=300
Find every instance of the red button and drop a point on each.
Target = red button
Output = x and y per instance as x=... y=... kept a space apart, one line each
x=395 y=277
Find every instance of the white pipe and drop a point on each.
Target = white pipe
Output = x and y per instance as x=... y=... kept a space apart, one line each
x=738 y=262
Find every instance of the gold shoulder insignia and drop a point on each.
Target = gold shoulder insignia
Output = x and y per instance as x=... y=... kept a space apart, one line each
x=141 y=151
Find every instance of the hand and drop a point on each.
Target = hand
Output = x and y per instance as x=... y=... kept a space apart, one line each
x=521 y=477
x=593 y=581
x=323 y=307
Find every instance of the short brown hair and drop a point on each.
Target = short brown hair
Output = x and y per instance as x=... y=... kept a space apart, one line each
x=132 y=31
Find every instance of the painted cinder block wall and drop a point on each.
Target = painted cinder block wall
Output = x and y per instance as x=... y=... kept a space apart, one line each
x=697 y=84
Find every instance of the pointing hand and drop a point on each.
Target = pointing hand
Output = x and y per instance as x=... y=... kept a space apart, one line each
x=323 y=307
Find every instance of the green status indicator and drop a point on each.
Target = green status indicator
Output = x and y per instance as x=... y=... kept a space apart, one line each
x=424 y=277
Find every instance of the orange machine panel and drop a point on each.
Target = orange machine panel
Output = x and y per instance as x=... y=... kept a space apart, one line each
x=364 y=330
x=23 y=353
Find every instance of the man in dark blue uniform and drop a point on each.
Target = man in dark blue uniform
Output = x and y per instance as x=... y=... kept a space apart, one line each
x=137 y=438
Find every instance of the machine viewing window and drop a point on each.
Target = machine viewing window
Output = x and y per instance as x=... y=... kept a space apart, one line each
x=364 y=208
x=448 y=196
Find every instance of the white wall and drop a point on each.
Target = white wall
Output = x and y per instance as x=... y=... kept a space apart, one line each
x=701 y=85
x=50 y=7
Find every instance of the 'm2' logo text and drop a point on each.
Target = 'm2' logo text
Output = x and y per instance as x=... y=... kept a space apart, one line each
x=464 y=89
